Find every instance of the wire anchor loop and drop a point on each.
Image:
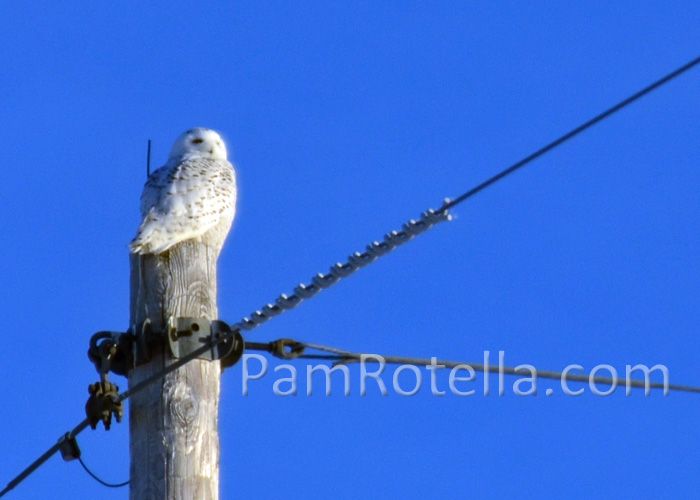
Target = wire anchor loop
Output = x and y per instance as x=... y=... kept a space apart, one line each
x=278 y=348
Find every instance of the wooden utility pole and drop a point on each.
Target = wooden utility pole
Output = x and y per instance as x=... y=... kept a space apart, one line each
x=174 y=437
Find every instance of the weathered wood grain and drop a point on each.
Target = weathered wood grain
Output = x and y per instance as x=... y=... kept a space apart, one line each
x=174 y=438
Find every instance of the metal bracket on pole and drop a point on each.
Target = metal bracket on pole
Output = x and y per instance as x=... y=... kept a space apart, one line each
x=111 y=352
x=118 y=352
x=186 y=335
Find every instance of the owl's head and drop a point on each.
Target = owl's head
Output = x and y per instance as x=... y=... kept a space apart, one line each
x=199 y=142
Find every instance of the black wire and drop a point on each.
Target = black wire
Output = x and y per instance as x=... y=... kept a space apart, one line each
x=44 y=457
x=172 y=367
x=148 y=160
x=569 y=135
x=342 y=357
x=103 y=483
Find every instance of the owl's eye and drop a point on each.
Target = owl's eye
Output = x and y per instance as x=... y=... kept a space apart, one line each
x=197 y=141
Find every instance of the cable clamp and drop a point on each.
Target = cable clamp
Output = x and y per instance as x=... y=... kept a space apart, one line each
x=186 y=335
x=103 y=403
x=278 y=348
x=69 y=447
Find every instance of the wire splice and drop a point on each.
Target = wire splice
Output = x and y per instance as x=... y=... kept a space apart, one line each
x=340 y=270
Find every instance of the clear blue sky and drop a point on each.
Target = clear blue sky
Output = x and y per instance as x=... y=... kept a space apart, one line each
x=343 y=122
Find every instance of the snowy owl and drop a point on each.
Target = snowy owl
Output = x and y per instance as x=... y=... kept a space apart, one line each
x=193 y=196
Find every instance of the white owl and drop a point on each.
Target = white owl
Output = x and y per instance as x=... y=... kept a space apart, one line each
x=193 y=196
